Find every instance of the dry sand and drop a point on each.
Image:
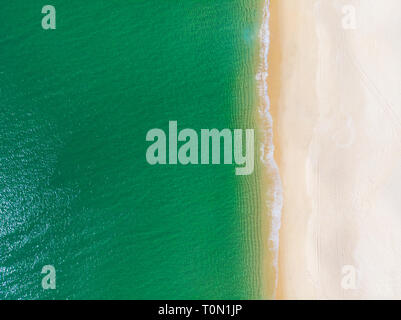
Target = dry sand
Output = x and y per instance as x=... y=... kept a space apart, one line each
x=336 y=105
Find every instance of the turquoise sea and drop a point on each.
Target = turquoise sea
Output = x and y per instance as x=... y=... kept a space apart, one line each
x=76 y=191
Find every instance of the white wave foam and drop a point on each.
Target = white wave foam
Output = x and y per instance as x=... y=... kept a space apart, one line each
x=275 y=195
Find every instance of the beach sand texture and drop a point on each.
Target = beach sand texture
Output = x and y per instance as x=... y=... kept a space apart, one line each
x=335 y=92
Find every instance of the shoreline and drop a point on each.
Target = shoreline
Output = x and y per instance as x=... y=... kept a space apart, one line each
x=273 y=92
x=271 y=199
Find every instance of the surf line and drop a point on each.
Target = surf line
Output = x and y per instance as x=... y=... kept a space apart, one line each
x=188 y=152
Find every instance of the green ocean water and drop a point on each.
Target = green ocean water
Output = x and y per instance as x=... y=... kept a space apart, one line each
x=76 y=191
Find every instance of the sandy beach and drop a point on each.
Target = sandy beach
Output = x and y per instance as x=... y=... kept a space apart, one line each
x=335 y=91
